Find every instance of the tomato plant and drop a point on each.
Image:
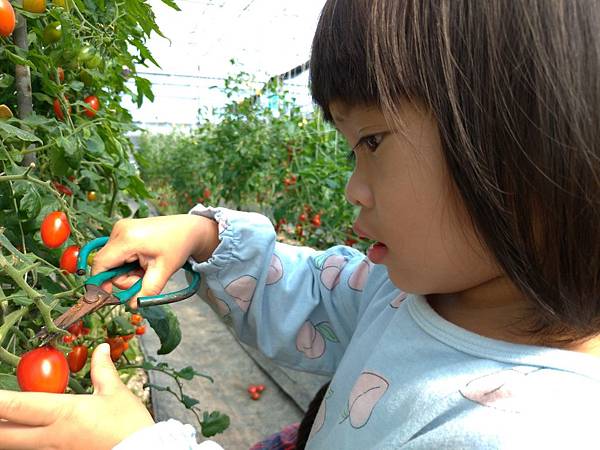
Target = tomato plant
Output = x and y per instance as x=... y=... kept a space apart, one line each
x=43 y=369
x=68 y=260
x=55 y=229
x=77 y=358
x=7 y=18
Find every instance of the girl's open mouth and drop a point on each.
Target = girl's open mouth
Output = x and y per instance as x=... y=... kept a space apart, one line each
x=377 y=252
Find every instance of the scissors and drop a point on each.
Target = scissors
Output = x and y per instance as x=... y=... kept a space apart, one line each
x=96 y=298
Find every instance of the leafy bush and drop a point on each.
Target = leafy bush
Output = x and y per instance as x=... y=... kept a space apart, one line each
x=282 y=162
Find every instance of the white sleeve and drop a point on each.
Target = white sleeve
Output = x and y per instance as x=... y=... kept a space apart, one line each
x=172 y=435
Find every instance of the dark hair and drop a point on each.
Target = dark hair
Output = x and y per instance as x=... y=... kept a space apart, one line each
x=515 y=88
x=309 y=417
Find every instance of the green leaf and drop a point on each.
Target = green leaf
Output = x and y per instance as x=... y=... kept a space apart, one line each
x=164 y=322
x=31 y=203
x=7 y=130
x=188 y=401
x=144 y=89
x=187 y=373
x=6 y=80
x=58 y=162
x=9 y=382
x=122 y=326
x=16 y=59
x=172 y=4
x=95 y=144
x=214 y=423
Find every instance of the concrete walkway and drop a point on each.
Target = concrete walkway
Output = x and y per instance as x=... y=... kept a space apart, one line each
x=209 y=346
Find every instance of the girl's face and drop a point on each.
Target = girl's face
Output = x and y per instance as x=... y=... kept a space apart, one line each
x=407 y=205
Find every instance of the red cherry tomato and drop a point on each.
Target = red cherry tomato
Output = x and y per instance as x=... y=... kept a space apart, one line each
x=62 y=188
x=93 y=105
x=316 y=220
x=44 y=369
x=140 y=330
x=260 y=388
x=125 y=345
x=206 y=194
x=77 y=358
x=255 y=395
x=85 y=331
x=7 y=18
x=302 y=218
x=252 y=389
x=128 y=337
x=68 y=339
x=55 y=229
x=68 y=260
x=116 y=347
x=76 y=329
x=136 y=319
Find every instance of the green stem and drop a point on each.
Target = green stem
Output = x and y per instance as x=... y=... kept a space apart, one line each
x=76 y=387
x=8 y=357
x=10 y=320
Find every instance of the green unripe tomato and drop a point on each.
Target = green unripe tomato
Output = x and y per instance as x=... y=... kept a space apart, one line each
x=52 y=33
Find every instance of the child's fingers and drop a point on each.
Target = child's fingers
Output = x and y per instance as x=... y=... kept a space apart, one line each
x=16 y=436
x=30 y=408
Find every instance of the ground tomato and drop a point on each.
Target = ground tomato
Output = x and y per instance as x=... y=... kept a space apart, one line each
x=55 y=229
x=77 y=358
x=7 y=18
x=117 y=347
x=93 y=105
x=68 y=260
x=44 y=369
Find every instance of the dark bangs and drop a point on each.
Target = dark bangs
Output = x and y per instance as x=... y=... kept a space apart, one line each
x=339 y=65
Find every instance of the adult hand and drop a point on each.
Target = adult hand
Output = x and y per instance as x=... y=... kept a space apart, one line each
x=60 y=421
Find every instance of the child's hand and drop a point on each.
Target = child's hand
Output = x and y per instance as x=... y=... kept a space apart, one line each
x=160 y=244
x=60 y=421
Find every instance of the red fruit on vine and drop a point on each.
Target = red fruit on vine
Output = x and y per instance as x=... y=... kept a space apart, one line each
x=68 y=339
x=76 y=329
x=43 y=369
x=68 y=260
x=77 y=358
x=58 y=111
x=255 y=395
x=93 y=105
x=316 y=220
x=302 y=218
x=128 y=337
x=136 y=319
x=140 y=330
x=350 y=242
x=85 y=331
x=7 y=18
x=299 y=230
x=62 y=188
x=117 y=347
x=206 y=194
x=55 y=229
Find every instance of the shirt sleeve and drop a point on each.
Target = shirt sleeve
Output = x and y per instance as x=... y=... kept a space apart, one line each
x=297 y=305
x=171 y=434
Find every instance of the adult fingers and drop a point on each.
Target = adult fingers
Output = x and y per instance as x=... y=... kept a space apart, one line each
x=31 y=408
x=105 y=377
x=15 y=436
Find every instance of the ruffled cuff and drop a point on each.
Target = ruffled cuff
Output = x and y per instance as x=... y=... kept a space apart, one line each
x=172 y=435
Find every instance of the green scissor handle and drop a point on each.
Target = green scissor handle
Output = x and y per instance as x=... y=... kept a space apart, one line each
x=127 y=294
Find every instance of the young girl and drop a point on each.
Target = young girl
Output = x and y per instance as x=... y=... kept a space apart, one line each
x=473 y=321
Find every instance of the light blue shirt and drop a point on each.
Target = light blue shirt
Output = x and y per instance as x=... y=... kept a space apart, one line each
x=403 y=377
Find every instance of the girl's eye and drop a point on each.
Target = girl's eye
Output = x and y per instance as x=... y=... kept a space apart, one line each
x=370 y=142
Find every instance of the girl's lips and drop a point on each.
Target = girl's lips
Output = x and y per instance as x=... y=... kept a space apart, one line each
x=377 y=252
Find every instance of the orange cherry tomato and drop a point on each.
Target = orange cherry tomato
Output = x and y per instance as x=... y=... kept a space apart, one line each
x=7 y=18
x=136 y=319
x=91 y=196
x=34 y=6
x=117 y=347
x=140 y=330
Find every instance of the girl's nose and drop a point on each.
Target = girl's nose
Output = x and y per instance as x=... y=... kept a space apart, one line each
x=357 y=190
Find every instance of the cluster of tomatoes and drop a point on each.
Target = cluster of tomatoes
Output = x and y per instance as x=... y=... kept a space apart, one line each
x=255 y=391
x=47 y=369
